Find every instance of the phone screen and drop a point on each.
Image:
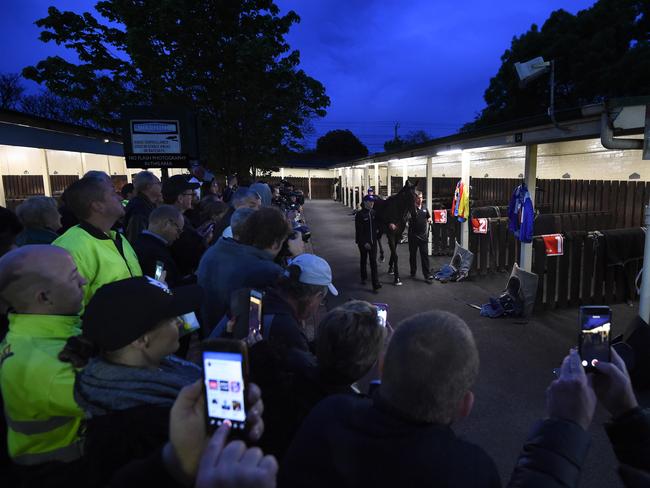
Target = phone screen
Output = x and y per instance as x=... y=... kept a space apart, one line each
x=255 y=313
x=159 y=271
x=595 y=325
x=382 y=313
x=224 y=388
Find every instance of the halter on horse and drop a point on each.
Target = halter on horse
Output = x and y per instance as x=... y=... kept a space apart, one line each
x=392 y=215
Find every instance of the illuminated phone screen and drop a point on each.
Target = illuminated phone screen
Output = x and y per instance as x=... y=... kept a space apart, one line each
x=594 y=337
x=382 y=313
x=159 y=271
x=255 y=315
x=224 y=388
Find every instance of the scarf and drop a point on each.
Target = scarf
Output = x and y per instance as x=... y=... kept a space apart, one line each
x=103 y=387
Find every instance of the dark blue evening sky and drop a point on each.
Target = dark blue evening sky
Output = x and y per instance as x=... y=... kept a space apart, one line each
x=422 y=63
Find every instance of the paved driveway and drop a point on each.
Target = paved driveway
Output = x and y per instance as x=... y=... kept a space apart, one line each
x=517 y=358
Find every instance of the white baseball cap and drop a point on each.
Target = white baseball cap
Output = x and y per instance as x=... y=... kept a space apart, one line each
x=314 y=270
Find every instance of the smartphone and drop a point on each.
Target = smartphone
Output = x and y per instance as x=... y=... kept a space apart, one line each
x=160 y=268
x=225 y=378
x=255 y=312
x=594 y=341
x=382 y=313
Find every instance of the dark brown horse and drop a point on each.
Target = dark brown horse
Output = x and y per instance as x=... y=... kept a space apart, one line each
x=392 y=215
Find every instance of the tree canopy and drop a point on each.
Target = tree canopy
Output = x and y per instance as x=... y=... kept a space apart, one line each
x=413 y=137
x=227 y=61
x=601 y=52
x=341 y=143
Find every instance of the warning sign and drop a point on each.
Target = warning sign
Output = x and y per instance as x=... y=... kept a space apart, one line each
x=155 y=137
x=480 y=226
x=440 y=216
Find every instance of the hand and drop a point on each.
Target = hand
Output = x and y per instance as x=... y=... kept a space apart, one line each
x=254 y=414
x=187 y=433
x=235 y=466
x=392 y=227
x=366 y=246
x=571 y=396
x=613 y=386
x=296 y=245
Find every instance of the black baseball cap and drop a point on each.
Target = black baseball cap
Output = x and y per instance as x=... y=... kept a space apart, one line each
x=124 y=310
x=177 y=184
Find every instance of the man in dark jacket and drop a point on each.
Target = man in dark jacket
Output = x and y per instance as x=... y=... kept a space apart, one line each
x=366 y=233
x=402 y=436
x=153 y=245
x=418 y=237
x=190 y=246
x=148 y=190
x=230 y=265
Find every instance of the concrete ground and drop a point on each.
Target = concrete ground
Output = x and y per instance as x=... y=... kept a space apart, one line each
x=517 y=358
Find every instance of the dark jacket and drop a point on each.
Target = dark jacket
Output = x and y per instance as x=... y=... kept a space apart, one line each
x=136 y=216
x=228 y=266
x=355 y=441
x=630 y=438
x=188 y=249
x=36 y=236
x=223 y=223
x=283 y=329
x=366 y=228
x=552 y=456
x=149 y=471
x=151 y=249
x=419 y=224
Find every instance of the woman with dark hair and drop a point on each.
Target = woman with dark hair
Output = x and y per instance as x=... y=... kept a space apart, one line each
x=211 y=188
x=296 y=297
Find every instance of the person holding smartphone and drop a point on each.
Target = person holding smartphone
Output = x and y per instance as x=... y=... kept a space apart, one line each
x=130 y=377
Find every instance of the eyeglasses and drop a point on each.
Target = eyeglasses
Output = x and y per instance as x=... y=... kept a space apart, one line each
x=190 y=194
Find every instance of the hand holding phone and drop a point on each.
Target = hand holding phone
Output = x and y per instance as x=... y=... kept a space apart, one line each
x=225 y=378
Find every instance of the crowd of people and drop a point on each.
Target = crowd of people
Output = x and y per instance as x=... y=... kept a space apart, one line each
x=101 y=383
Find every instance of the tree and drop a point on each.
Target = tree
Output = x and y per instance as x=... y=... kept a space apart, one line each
x=600 y=52
x=412 y=138
x=228 y=61
x=341 y=143
x=11 y=90
x=50 y=106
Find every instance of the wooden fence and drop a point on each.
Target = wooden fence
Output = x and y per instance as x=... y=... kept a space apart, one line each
x=19 y=187
x=321 y=188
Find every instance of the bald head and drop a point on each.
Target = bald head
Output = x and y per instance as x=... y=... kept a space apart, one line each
x=41 y=279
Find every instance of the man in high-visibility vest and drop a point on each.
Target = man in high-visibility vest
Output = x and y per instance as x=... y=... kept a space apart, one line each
x=44 y=290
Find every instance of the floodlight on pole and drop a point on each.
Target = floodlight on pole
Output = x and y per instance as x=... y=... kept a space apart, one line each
x=536 y=67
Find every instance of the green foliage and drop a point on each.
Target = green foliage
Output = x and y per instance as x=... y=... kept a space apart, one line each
x=412 y=138
x=341 y=144
x=226 y=60
x=600 y=52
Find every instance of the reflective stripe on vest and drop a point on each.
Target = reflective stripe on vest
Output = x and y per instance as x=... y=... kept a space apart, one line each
x=63 y=454
x=34 y=427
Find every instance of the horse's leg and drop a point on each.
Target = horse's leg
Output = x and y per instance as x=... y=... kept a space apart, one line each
x=381 y=248
x=392 y=242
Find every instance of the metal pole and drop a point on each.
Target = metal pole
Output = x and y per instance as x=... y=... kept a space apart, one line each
x=530 y=178
x=376 y=167
x=389 y=180
x=464 y=171
x=429 y=174
x=644 y=294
